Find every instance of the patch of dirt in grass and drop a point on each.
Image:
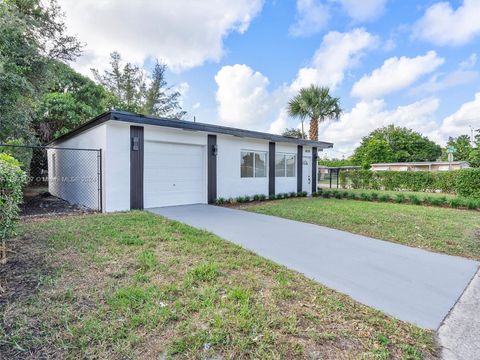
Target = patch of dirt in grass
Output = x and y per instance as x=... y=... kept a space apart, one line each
x=25 y=268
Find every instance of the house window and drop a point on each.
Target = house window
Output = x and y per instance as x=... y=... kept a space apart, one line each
x=284 y=165
x=253 y=164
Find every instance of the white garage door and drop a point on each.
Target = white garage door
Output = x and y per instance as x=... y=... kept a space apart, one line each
x=174 y=174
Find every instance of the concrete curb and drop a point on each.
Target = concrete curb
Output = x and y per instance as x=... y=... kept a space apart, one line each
x=459 y=334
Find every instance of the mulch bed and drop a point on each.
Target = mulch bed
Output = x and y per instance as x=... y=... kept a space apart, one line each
x=43 y=203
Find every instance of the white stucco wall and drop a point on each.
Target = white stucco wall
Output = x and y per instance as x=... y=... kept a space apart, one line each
x=113 y=137
x=229 y=182
x=286 y=184
x=73 y=174
x=118 y=157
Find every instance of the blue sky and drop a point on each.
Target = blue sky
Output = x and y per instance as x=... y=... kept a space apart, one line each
x=410 y=63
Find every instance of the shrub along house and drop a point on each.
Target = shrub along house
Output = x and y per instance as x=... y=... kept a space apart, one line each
x=150 y=162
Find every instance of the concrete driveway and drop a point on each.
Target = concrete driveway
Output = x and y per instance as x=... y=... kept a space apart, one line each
x=410 y=284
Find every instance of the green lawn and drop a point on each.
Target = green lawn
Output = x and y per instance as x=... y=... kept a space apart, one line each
x=449 y=231
x=134 y=285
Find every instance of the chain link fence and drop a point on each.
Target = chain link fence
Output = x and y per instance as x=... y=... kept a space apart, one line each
x=60 y=179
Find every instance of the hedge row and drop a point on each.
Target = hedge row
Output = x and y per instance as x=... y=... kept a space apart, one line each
x=454 y=202
x=12 y=179
x=259 y=197
x=465 y=182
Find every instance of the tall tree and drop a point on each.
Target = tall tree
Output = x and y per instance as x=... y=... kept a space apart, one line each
x=32 y=34
x=294 y=133
x=395 y=144
x=71 y=100
x=317 y=104
x=136 y=91
x=462 y=146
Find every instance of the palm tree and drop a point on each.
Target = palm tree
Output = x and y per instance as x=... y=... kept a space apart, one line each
x=317 y=104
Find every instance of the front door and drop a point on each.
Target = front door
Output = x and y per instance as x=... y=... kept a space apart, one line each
x=307 y=174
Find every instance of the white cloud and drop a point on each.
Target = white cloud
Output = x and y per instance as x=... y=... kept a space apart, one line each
x=337 y=53
x=438 y=82
x=369 y=115
x=242 y=96
x=365 y=10
x=182 y=33
x=460 y=121
x=470 y=62
x=395 y=74
x=311 y=17
x=443 y=25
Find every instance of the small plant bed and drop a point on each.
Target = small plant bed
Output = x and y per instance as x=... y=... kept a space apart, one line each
x=134 y=285
x=449 y=231
x=416 y=198
x=259 y=198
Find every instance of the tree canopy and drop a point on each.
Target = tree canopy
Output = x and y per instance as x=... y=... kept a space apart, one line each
x=465 y=149
x=395 y=144
x=32 y=35
x=139 y=92
x=317 y=104
x=294 y=133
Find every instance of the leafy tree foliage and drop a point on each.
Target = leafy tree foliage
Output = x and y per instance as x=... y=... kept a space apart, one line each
x=317 y=104
x=32 y=34
x=462 y=146
x=70 y=100
x=395 y=144
x=335 y=162
x=294 y=133
x=137 y=92
x=465 y=150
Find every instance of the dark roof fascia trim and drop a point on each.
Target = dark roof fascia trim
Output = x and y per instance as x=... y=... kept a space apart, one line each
x=100 y=119
x=186 y=125
x=194 y=126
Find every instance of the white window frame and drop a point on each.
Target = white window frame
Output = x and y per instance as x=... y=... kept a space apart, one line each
x=284 y=154
x=254 y=167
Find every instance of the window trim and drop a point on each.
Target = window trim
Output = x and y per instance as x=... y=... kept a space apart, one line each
x=285 y=154
x=254 y=161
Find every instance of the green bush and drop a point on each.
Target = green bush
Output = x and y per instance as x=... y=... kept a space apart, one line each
x=262 y=197
x=12 y=179
x=292 y=194
x=352 y=196
x=374 y=196
x=256 y=197
x=384 y=198
x=240 y=199
x=22 y=154
x=302 y=194
x=272 y=197
x=399 y=198
x=455 y=202
x=220 y=201
x=465 y=182
x=468 y=183
x=414 y=199
x=326 y=193
x=365 y=196
x=472 y=204
x=279 y=196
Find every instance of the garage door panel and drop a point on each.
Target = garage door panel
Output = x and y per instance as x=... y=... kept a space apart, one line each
x=174 y=174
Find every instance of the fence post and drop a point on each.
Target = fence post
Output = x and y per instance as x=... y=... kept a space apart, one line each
x=100 y=181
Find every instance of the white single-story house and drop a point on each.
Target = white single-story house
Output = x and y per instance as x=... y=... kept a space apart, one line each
x=150 y=162
x=432 y=166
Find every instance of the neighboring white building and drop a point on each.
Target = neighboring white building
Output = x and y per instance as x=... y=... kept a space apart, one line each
x=433 y=166
x=150 y=162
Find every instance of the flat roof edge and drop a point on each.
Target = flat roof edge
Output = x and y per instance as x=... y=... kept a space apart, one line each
x=188 y=125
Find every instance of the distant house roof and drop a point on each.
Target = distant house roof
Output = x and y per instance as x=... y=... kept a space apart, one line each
x=187 y=125
x=420 y=163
